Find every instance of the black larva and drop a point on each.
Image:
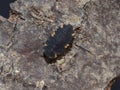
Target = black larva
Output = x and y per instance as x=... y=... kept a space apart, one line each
x=58 y=43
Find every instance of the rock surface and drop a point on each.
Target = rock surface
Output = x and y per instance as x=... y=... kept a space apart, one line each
x=94 y=59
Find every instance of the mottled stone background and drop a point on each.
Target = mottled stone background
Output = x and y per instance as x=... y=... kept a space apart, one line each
x=92 y=62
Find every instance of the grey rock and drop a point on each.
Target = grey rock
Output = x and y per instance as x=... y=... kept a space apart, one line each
x=94 y=59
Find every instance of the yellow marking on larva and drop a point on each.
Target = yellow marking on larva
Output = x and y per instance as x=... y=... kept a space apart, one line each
x=66 y=46
x=53 y=34
x=45 y=44
x=73 y=34
x=61 y=26
x=55 y=55
x=50 y=57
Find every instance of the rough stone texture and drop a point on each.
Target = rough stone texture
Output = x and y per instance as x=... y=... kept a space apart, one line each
x=94 y=59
